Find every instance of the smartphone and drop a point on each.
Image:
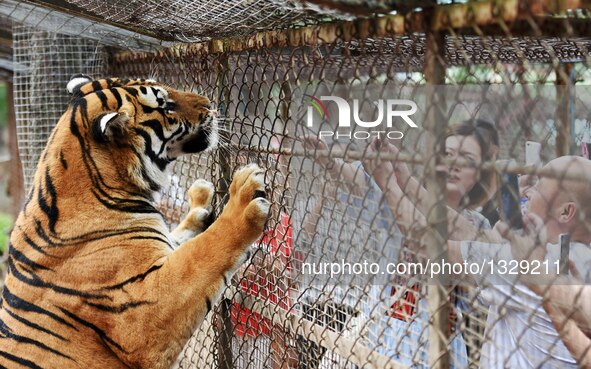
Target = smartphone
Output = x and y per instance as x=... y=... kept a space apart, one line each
x=533 y=151
x=510 y=201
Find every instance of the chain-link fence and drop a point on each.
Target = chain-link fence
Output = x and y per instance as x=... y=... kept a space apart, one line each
x=345 y=275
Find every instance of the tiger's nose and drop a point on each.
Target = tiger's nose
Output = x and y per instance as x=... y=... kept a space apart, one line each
x=215 y=113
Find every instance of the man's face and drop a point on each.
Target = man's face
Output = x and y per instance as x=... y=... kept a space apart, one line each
x=543 y=198
x=557 y=200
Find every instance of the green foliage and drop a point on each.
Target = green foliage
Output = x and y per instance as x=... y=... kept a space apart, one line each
x=5 y=226
x=474 y=74
x=3 y=105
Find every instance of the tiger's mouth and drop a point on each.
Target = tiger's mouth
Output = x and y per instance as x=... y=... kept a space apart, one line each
x=205 y=138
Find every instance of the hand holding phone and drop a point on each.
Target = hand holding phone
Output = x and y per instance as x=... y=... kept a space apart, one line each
x=510 y=201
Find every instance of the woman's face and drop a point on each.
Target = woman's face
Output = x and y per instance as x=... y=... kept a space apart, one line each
x=461 y=179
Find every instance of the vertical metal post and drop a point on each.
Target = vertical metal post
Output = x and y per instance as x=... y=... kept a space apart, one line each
x=287 y=140
x=225 y=325
x=564 y=114
x=16 y=185
x=436 y=233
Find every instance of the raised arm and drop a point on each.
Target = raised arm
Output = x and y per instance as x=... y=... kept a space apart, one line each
x=567 y=302
x=569 y=307
x=349 y=174
x=410 y=185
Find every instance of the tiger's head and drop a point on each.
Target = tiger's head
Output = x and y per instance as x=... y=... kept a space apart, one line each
x=134 y=129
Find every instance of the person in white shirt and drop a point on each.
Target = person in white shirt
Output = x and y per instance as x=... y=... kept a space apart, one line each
x=519 y=332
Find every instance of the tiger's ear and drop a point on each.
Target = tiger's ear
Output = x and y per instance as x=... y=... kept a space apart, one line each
x=77 y=81
x=110 y=127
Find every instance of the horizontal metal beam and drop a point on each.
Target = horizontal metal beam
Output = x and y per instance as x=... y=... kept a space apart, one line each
x=478 y=7
x=500 y=166
x=489 y=17
x=7 y=64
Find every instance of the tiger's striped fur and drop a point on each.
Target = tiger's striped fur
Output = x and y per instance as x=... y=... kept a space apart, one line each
x=94 y=279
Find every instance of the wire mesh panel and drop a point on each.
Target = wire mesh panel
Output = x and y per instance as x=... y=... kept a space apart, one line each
x=196 y=21
x=44 y=63
x=387 y=153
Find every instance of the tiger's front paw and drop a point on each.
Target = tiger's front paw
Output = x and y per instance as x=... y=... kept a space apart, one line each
x=200 y=215
x=248 y=199
x=200 y=194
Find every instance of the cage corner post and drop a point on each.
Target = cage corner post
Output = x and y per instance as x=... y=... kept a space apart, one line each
x=436 y=233
x=564 y=115
x=16 y=181
x=224 y=325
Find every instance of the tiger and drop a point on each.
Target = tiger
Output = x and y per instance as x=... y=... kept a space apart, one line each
x=95 y=279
